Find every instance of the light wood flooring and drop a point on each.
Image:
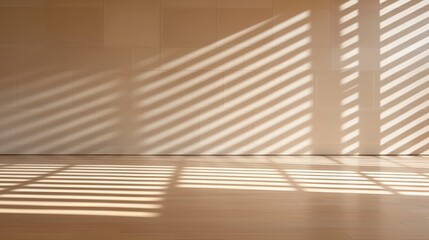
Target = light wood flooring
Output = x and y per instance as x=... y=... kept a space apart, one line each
x=214 y=198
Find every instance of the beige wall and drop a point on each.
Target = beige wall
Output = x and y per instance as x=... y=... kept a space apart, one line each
x=214 y=77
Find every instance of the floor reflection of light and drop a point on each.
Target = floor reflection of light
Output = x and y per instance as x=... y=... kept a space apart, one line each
x=80 y=204
x=329 y=177
x=273 y=179
x=82 y=197
x=217 y=186
x=105 y=182
x=360 y=182
x=97 y=190
x=80 y=212
x=348 y=186
x=233 y=178
x=111 y=174
x=92 y=186
x=35 y=190
x=332 y=181
x=408 y=188
x=108 y=178
x=413 y=183
x=234 y=182
x=411 y=193
x=350 y=191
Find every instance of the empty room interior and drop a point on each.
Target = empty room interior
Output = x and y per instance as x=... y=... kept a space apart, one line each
x=214 y=119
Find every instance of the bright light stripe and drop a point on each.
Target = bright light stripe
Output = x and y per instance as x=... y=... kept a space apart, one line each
x=401 y=179
x=416 y=84
x=81 y=204
x=229 y=171
x=404 y=139
x=349 y=191
x=296 y=124
x=348 y=4
x=392 y=6
x=120 y=171
x=116 y=192
x=396 y=176
x=298 y=110
x=397 y=30
x=410 y=188
x=82 y=197
x=348 y=186
x=273 y=179
x=39 y=185
x=350 y=65
x=414 y=193
x=39 y=164
x=292 y=33
x=333 y=181
x=210 y=182
x=207 y=49
x=103 y=182
x=350 y=112
x=404 y=126
x=17 y=175
x=145 y=175
x=403 y=64
x=395 y=58
x=109 y=178
x=390 y=81
x=219 y=123
x=235 y=187
x=349 y=16
x=349 y=29
x=128 y=166
x=122 y=168
x=231 y=174
x=347 y=55
x=80 y=212
x=351 y=136
x=396 y=173
x=350 y=98
x=401 y=40
x=46 y=169
x=420 y=144
x=291 y=20
x=254 y=92
x=8 y=184
x=255 y=58
x=290 y=50
x=349 y=42
x=232 y=169
x=329 y=177
x=324 y=174
x=4 y=171
x=13 y=179
x=425 y=184
x=237 y=140
x=406 y=13
x=321 y=171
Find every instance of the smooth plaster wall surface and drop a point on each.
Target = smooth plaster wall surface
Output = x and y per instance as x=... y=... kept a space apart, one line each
x=214 y=77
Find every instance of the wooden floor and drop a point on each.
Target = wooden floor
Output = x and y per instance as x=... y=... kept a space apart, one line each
x=214 y=198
